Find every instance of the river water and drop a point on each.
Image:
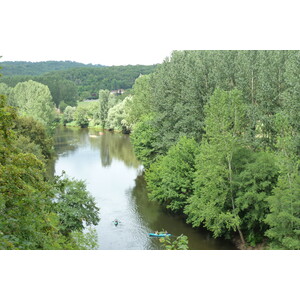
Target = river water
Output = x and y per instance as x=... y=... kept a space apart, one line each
x=114 y=177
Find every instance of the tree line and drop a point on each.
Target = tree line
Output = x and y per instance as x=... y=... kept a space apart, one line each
x=76 y=84
x=218 y=134
x=110 y=111
x=13 y=68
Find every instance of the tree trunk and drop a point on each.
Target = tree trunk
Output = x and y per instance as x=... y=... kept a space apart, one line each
x=241 y=236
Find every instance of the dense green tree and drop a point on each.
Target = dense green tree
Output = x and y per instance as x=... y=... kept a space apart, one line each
x=224 y=69
x=179 y=93
x=290 y=99
x=106 y=101
x=170 y=178
x=12 y=81
x=62 y=90
x=231 y=182
x=254 y=177
x=81 y=116
x=103 y=106
x=87 y=240
x=33 y=99
x=213 y=202
x=143 y=139
x=62 y=106
x=74 y=205
x=36 y=132
x=23 y=191
x=68 y=114
x=5 y=89
x=115 y=116
x=284 y=217
x=139 y=104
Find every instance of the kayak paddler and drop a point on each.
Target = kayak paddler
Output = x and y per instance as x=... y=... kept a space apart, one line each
x=116 y=222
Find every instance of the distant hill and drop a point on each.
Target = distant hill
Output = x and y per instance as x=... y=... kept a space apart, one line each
x=87 y=80
x=12 y=68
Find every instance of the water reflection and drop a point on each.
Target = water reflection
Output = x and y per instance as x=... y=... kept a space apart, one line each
x=113 y=146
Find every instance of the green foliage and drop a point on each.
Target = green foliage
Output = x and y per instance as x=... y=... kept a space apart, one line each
x=62 y=106
x=37 y=68
x=139 y=104
x=68 y=115
x=179 y=91
x=36 y=133
x=5 y=89
x=92 y=80
x=81 y=116
x=29 y=218
x=116 y=116
x=62 y=90
x=170 y=178
x=33 y=99
x=284 y=217
x=254 y=177
x=74 y=206
x=106 y=101
x=22 y=201
x=180 y=243
x=7 y=116
x=71 y=80
x=236 y=169
x=143 y=138
x=87 y=240
x=231 y=181
x=212 y=203
x=23 y=191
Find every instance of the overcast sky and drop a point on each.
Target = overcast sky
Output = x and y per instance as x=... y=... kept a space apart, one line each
x=124 y=32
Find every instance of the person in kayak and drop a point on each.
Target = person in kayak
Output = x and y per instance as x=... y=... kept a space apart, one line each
x=116 y=222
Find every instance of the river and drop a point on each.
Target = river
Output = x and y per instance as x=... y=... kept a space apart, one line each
x=114 y=177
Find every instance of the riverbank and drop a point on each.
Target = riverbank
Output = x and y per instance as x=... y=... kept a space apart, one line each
x=240 y=246
x=98 y=128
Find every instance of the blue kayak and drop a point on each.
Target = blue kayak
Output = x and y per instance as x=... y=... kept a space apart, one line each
x=160 y=234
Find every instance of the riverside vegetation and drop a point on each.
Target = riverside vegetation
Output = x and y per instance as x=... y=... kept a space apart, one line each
x=217 y=133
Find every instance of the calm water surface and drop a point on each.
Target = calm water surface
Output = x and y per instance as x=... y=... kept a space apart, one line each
x=114 y=177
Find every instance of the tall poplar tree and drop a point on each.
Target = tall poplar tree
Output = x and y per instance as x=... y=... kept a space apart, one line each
x=106 y=101
x=213 y=202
